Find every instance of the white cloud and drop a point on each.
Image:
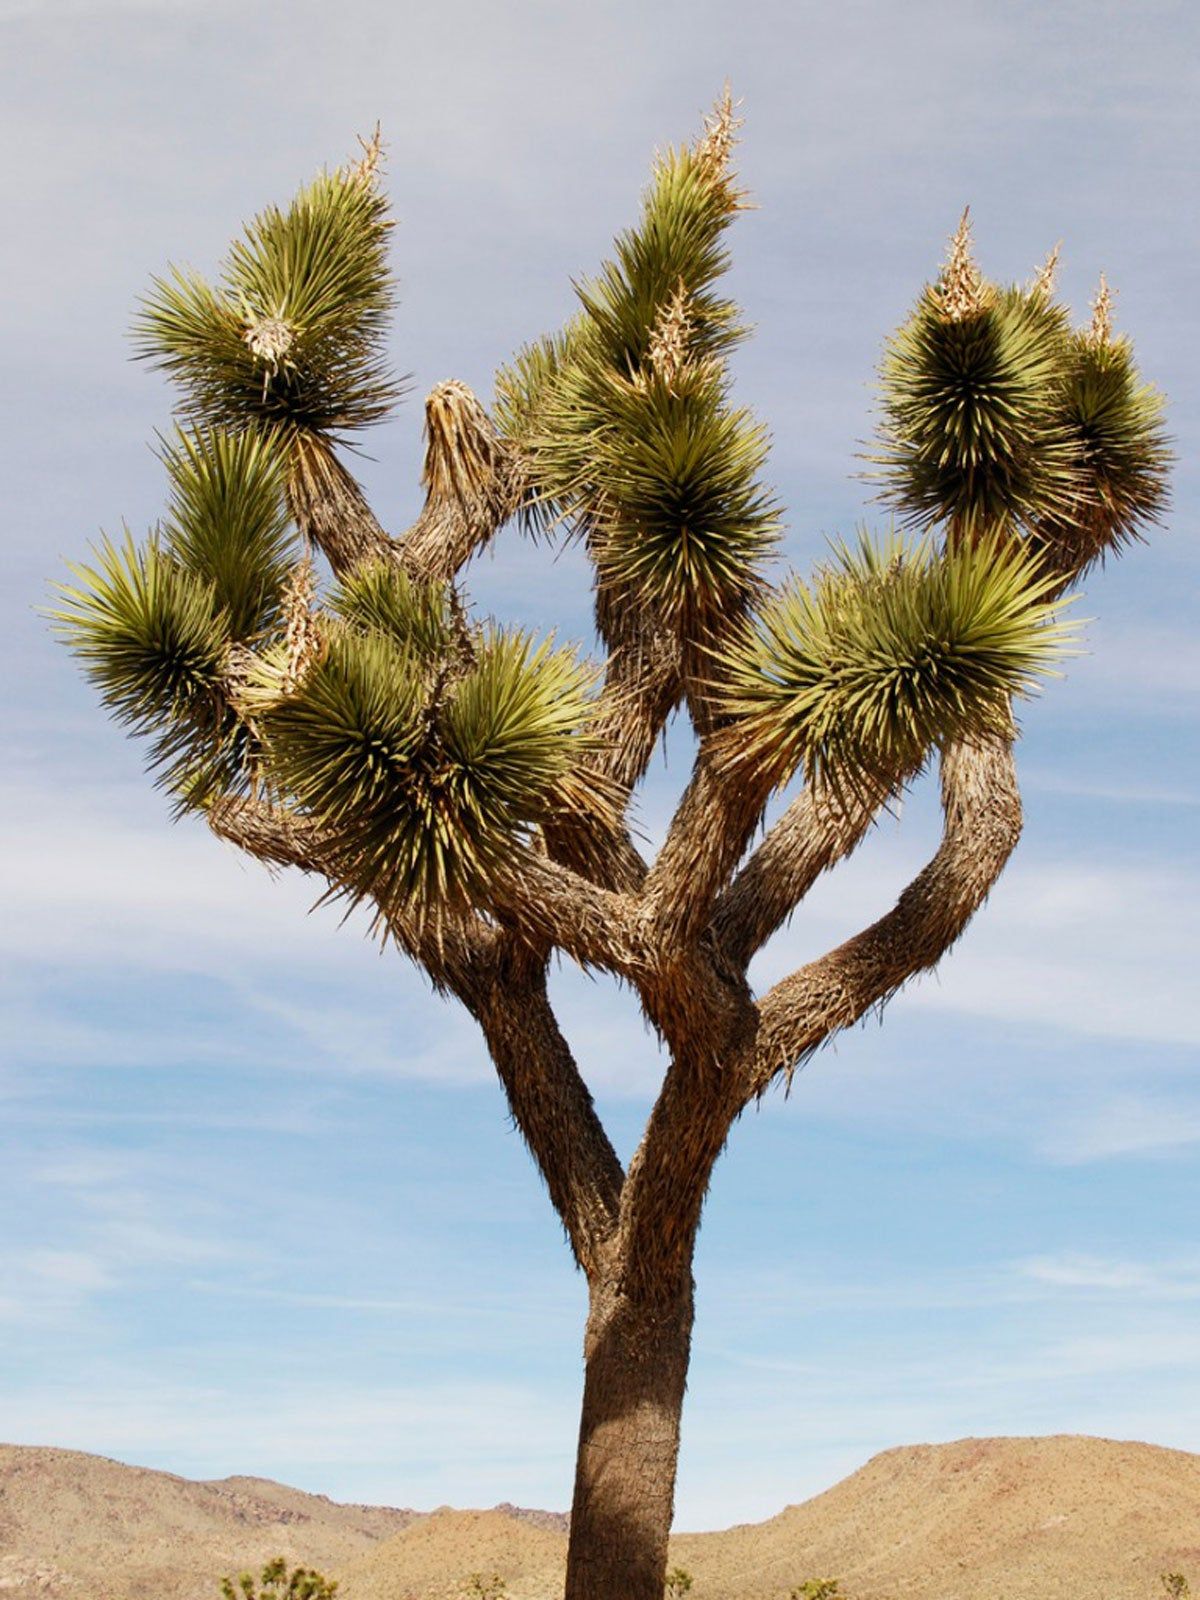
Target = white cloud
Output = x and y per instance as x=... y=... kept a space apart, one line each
x=1133 y=1122
x=1098 y=1276
x=1103 y=949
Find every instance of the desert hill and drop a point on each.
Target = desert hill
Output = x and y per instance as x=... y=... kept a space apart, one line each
x=1062 y=1518
x=89 y=1528
x=984 y=1519
x=432 y=1559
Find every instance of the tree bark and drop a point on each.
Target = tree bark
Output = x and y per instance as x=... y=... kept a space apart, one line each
x=635 y=1372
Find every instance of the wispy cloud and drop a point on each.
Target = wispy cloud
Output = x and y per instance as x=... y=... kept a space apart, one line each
x=1099 y=1276
x=1134 y=1122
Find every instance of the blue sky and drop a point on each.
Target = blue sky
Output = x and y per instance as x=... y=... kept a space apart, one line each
x=263 y=1209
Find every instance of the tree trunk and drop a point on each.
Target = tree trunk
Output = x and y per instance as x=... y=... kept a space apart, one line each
x=636 y=1361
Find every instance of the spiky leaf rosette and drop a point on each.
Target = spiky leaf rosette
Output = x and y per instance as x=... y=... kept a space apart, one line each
x=685 y=522
x=154 y=639
x=623 y=421
x=1113 y=425
x=227 y=522
x=292 y=334
x=423 y=779
x=891 y=652
x=380 y=597
x=971 y=429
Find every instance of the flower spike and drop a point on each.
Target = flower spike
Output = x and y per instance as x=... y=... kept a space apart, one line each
x=1042 y=286
x=1100 y=332
x=960 y=287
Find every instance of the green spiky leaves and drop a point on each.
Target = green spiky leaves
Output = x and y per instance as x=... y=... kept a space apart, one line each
x=891 y=652
x=427 y=762
x=379 y=597
x=995 y=414
x=624 y=423
x=292 y=334
x=156 y=626
x=683 y=519
x=679 y=240
x=226 y=521
x=972 y=429
x=152 y=637
x=1113 y=426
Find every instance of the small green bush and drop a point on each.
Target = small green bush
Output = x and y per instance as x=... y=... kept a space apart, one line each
x=277 y=1583
x=817 y=1589
x=481 y=1588
x=679 y=1581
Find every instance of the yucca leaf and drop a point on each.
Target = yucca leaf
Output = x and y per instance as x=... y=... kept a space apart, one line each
x=679 y=239
x=227 y=521
x=891 y=652
x=971 y=428
x=153 y=639
x=512 y=726
x=685 y=522
x=425 y=782
x=380 y=597
x=1113 y=426
x=292 y=336
x=623 y=422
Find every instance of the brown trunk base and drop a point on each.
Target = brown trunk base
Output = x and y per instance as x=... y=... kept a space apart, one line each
x=636 y=1360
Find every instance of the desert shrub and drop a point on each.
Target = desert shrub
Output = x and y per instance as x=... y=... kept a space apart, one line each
x=275 y=1582
x=480 y=1588
x=817 y=1589
x=1176 y=1585
x=679 y=1581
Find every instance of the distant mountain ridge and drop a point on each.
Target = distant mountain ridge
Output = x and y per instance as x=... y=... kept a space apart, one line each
x=94 y=1529
x=1060 y=1518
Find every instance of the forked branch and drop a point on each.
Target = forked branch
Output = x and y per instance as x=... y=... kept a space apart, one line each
x=818 y=829
x=982 y=822
x=549 y=1101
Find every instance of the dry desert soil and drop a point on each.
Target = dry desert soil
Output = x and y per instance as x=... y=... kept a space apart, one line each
x=1062 y=1518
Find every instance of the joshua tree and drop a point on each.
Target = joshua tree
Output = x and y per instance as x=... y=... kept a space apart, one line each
x=277 y=1583
x=472 y=787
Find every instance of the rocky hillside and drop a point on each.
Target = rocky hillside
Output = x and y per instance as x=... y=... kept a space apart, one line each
x=88 y=1528
x=984 y=1519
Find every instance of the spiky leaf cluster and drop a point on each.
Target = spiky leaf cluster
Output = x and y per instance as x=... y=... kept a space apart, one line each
x=892 y=651
x=426 y=761
x=152 y=637
x=1112 y=423
x=156 y=626
x=380 y=597
x=277 y=1583
x=291 y=335
x=971 y=431
x=624 y=421
x=226 y=522
x=685 y=520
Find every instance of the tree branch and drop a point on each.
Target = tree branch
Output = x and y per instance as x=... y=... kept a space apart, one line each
x=709 y=832
x=641 y=688
x=547 y=1096
x=817 y=830
x=982 y=823
x=551 y=902
x=331 y=510
x=279 y=837
x=472 y=481
x=502 y=981
x=707 y=1016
